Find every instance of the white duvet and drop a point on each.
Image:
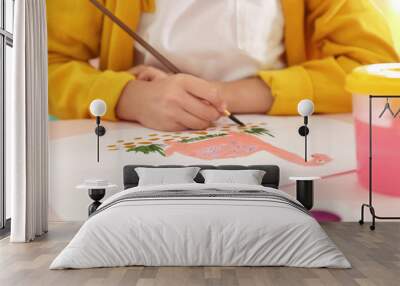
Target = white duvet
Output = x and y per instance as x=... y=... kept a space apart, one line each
x=200 y=231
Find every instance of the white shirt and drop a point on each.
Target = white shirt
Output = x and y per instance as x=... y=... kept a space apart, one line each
x=215 y=39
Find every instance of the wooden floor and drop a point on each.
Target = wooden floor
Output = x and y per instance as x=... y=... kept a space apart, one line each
x=375 y=257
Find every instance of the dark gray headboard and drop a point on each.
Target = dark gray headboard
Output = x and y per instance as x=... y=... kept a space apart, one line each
x=271 y=178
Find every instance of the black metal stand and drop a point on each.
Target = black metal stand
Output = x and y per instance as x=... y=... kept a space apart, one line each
x=370 y=204
x=100 y=131
x=304 y=131
x=96 y=195
x=305 y=193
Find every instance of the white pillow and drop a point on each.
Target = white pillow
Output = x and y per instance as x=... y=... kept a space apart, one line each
x=246 y=177
x=165 y=176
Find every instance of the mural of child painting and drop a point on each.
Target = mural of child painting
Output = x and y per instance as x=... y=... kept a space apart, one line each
x=244 y=56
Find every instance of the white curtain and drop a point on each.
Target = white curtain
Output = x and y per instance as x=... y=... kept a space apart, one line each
x=26 y=124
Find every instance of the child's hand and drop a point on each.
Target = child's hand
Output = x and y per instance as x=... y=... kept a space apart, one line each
x=147 y=73
x=171 y=103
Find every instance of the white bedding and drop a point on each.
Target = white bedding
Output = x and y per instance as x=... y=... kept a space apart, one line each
x=183 y=231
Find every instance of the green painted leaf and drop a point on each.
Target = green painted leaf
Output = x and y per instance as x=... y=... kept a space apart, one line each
x=258 y=131
x=147 y=149
x=203 y=137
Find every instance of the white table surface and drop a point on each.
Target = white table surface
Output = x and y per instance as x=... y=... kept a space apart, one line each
x=99 y=187
x=304 y=178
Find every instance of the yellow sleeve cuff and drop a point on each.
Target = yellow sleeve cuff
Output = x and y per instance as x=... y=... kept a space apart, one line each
x=288 y=87
x=108 y=87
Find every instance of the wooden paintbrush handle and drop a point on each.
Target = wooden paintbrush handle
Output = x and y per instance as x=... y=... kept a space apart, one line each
x=170 y=66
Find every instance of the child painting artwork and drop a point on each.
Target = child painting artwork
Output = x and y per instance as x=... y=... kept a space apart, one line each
x=259 y=57
x=255 y=59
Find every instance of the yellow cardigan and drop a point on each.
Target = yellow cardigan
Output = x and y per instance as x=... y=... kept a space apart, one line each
x=324 y=40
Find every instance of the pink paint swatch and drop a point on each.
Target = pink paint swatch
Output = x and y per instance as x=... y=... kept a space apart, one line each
x=324 y=216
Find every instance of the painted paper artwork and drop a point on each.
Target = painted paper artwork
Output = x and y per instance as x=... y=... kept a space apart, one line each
x=227 y=141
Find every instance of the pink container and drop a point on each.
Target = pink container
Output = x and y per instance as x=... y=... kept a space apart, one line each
x=377 y=80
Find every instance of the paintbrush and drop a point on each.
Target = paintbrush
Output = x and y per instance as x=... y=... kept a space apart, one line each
x=170 y=66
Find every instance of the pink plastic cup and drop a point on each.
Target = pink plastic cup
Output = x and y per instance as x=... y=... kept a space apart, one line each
x=378 y=80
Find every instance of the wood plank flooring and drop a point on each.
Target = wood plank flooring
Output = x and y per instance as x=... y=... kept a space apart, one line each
x=375 y=257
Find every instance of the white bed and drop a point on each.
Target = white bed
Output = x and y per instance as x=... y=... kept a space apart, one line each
x=259 y=226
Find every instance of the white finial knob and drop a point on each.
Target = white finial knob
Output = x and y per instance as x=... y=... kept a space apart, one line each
x=305 y=107
x=98 y=107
